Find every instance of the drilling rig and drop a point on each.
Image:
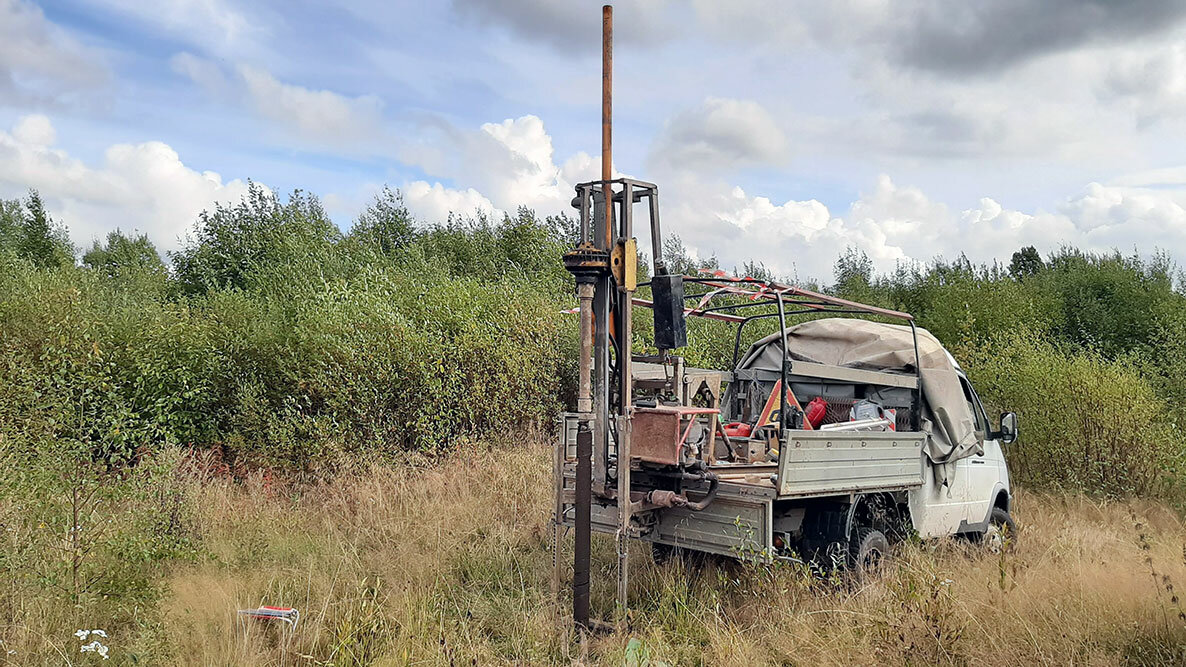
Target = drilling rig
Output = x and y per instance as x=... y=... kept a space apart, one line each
x=864 y=434
x=604 y=266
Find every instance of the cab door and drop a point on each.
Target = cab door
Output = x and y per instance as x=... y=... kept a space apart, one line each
x=938 y=509
x=982 y=470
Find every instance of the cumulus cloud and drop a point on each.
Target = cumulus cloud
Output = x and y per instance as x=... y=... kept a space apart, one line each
x=136 y=186
x=35 y=130
x=434 y=202
x=502 y=165
x=40 y=64
x=894 y=224
x=147 y=187
x=511 y=164
x=720 y=134
x=1117 y=215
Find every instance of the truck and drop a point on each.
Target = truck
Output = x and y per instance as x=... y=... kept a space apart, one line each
x=840 y=429
x=718 y=473
x=843 y=430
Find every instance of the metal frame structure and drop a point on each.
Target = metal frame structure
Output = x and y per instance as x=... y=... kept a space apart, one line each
x=604 y=265
x=806 y=301
x=601 y=264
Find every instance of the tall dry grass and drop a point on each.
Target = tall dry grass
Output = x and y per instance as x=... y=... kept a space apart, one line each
x=448 y=562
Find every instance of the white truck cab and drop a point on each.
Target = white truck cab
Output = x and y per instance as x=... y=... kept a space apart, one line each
x=977 y=498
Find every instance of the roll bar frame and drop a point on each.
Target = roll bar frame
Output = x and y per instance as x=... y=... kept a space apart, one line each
x=806 y=301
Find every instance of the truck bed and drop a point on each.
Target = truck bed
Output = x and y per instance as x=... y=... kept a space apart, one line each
x=815 y=463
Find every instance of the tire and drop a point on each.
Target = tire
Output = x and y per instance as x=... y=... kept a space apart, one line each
x=691 y=560
x=664 y=553
x=867 y=551
x=1001 y=533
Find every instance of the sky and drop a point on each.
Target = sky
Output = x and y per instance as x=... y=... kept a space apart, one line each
x=783 y=133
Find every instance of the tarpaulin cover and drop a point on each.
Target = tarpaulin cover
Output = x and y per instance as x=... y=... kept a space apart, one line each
x=853 y=343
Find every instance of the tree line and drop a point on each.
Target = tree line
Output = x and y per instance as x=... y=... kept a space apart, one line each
x=272 y=337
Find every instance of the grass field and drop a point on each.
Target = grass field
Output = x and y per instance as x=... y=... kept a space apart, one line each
x=447 y=561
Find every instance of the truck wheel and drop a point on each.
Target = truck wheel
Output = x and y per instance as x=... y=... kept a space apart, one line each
x=867 y=551
x=690 y=558
x=1001 y=532
x=664 y=553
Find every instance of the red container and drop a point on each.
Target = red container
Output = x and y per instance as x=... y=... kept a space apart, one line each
x=814 y=413
x=738 y=429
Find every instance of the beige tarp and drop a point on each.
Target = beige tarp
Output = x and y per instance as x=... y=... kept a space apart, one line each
x=947 y=417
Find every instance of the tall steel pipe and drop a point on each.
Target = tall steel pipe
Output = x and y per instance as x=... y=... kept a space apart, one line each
x=607 y=85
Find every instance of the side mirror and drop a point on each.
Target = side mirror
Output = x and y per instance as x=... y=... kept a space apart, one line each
x=1009 y=430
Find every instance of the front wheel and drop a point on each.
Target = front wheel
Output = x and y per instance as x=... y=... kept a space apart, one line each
x=1001 y=533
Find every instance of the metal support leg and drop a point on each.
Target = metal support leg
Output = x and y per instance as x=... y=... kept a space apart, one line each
x=624 y=512
x=558 y=512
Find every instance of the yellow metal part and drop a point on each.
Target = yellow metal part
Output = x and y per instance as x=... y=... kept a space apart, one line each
x=624 y=264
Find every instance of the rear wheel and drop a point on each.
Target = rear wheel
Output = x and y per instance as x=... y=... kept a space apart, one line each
x=664 y=553
x=867 y=551
x=690 y=558
x=1001 y=533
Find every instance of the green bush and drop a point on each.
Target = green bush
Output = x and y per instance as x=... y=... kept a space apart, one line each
x=284 y=343
x=27 y=231
x=1088 y=423
x=276 y=339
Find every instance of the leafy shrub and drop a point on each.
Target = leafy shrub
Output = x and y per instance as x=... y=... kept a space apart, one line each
x=122 y=257
x=270 y=360
x=248 y=244
x=1088 y=423
x=27 y=231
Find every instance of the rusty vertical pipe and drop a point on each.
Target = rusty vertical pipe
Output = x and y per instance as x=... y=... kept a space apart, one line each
x=585 y=367
x=607 y=85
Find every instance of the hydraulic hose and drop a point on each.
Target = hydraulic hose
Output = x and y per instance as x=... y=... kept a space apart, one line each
x=672 y=499
x=713 y=483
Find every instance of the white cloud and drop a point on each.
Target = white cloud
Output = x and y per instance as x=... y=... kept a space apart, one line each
x=210 y=24
x=144 y=186
x=1123 y=216
x=895 y=224
x=321 y=119
x=901 y=80
x=321 y=116
x=34 y=130
x=503 y=165
x=147 y=187
x=432 y=203
x=202 y=72
x=720 y=134
x=510 y=164
x=40 y=64
x=1151 y=85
